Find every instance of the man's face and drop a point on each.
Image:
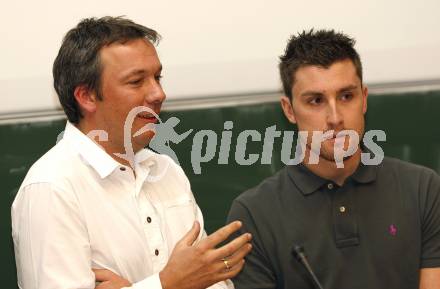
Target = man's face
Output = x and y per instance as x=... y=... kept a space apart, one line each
x=130 y=78
x=327 y=99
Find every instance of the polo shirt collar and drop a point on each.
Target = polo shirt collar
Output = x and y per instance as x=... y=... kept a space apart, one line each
x=307 y=182
x=96 y=156
x=365 y=174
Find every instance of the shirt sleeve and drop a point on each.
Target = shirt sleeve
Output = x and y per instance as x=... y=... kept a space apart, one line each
x=51 y=242
x=430 y=202
x=152 y=282
x=257 y=272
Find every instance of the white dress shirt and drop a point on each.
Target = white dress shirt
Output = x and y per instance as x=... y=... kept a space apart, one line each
x=79 y=209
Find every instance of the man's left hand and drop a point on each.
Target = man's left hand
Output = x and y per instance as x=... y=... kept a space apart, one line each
x=109 y=280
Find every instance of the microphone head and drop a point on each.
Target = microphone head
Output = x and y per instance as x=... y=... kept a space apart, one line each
x=298 y=251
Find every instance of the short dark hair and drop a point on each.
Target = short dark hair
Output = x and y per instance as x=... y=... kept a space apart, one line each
x=321 y=48
x=78 y=61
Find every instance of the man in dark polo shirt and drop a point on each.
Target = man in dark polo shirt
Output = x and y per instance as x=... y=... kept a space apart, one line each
x=360 y=226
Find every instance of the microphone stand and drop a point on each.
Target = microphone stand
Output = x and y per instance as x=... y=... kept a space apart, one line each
x=298 y=252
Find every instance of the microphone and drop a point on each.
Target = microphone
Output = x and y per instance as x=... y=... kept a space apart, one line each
x=299 y=254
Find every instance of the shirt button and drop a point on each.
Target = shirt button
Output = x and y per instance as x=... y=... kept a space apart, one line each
x=330 y=186
x=148 y=219
x=122 y=168
x=342 y=209
x=156 y=252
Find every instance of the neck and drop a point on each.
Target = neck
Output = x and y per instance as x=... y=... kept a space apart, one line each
x=111 y=147
x=328 y=170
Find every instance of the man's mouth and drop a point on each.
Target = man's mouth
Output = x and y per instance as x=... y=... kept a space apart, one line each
x=148 y=117
x=333 y=136
x=327 y=136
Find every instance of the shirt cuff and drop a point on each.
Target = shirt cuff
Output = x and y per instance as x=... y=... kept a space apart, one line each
x=151 y=282
x=227 y=284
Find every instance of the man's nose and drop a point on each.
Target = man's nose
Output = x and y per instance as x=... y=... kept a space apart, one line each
x=154 y=93
x=334 y=117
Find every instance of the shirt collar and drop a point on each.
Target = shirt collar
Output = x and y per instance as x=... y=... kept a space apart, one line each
x=365 y=174
x=307 y=182
x=145 y=157
x=96 y=156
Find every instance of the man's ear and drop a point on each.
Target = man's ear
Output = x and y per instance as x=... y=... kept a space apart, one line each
x=364 y=99
x=286 y=105
x=86 y=99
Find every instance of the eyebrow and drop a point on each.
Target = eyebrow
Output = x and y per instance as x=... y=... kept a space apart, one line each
x=139 y=72
x=348 y=88
x=320 y=93
x=312 y=93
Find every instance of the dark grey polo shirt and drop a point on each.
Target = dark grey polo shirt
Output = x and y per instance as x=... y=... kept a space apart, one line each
x=376 y=231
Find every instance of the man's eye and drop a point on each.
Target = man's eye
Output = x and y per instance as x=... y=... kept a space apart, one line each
x=315 y=100
x=158 y=78
x=135 y=81
x=347 y=96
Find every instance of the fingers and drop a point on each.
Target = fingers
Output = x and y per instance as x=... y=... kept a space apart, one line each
x=102 y=285
x=102 y=275
x=221 y=234
x=239 y=255
x=232 y=272
x=107 y=279
x=233 y=260
x=191 y=236
x=232 y=246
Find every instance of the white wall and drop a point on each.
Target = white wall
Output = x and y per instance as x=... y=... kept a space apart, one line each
x=219 y=47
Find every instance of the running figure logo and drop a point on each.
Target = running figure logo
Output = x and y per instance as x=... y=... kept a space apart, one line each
x=165 y=133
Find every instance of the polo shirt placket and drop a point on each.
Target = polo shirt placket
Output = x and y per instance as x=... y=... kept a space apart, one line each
x=344 y=219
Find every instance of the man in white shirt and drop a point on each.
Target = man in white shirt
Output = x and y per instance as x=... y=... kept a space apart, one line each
x=88 y=210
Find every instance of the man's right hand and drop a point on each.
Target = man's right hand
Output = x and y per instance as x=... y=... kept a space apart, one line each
x=198 y=266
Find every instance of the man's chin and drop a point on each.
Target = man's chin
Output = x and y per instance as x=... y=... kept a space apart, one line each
x=327 y=156
x=141 y=141
x=332 y=157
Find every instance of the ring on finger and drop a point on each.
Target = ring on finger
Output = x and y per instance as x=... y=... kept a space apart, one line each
x=225 y=261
